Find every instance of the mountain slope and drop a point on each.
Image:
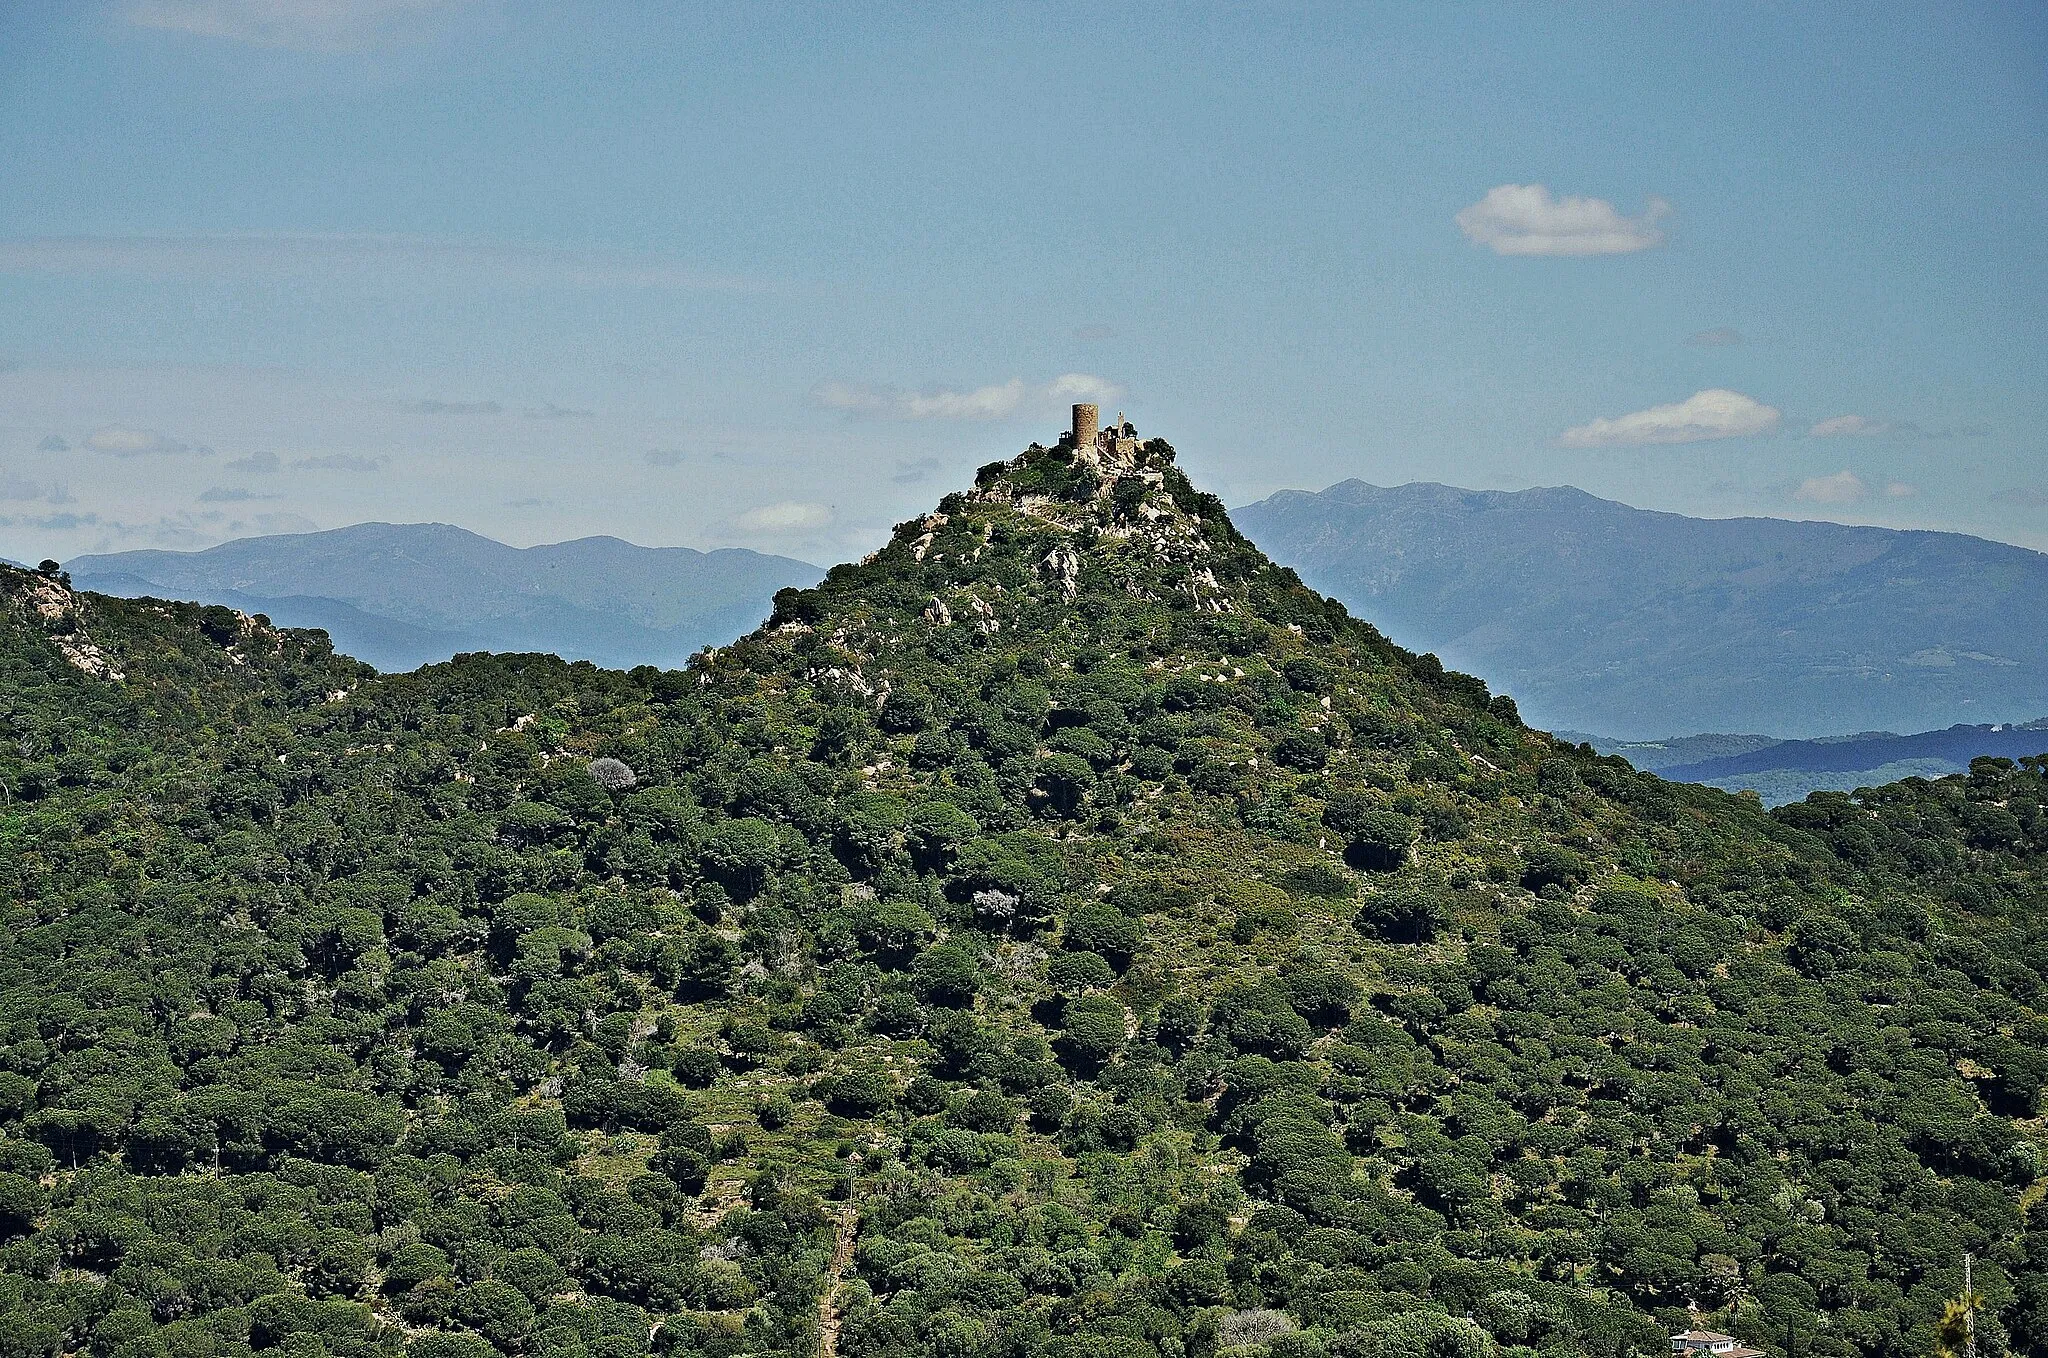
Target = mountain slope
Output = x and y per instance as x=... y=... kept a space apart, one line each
x=1602 y=617
x=1125 y=949
x=402 y=595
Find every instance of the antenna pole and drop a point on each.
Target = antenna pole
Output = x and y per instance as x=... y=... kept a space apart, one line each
x=1969 y=1308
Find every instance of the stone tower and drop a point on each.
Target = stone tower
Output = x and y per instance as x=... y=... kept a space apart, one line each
x=1086 y=420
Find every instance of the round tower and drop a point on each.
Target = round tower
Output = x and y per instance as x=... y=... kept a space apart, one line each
x=1086 y=421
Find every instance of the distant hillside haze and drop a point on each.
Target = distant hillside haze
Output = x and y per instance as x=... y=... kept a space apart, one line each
x=1602 y=617
x=1781 y=771
x=403 y=595
x=1955 y=747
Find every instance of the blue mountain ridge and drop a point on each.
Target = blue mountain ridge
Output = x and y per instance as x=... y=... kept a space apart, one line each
x=1598 y=616
x=401 y=595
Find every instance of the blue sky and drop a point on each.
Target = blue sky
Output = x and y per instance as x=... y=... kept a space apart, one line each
x=739 y=275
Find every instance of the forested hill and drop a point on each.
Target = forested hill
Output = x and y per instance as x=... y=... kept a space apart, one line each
x=1059 y=934
x=1603 y=617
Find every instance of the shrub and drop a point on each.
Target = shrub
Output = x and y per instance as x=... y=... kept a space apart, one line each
x=1403 y=914
x=696 y=1067
x=741 y=852
x=613 y=775
x=1302 y=749
x=1316 y=879
x=1092 y=1031
x=860 y=1094
x=947 y=974
x=1552 y=865
x=985 y=1111
x=1380 y=841
x=1099 y=928
x=1073 y=971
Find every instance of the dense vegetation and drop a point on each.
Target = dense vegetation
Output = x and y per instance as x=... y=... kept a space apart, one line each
x=1060 y=934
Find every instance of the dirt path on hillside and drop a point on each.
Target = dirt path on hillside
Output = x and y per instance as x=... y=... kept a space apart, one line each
x=828 y=1301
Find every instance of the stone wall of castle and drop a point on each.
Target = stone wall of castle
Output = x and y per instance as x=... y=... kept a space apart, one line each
x=1087 y=419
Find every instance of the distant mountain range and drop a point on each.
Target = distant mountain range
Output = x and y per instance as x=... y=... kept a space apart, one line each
x=400 y=595
x=1783 y=771
x=1601 y=617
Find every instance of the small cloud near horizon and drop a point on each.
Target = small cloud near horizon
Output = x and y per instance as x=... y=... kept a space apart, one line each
x=258 y=463
x=51 y=523
x=117 y=440
x=1844 y=487
x=434 y=407
x=910 y=473
x=548 y=410
x=334 y=26
x=664 y=457
x=2032 y=497
x=269 y=525
x=1848 y=426
x=338 y=462
x=220 y=495
x=1089 y=334
x=1720 y=337
x=20 y=488
x=995 y=402
x=1862 y=426
x=53 y=444
x=785 y=516
x=1529 y=220
x=1716 y=413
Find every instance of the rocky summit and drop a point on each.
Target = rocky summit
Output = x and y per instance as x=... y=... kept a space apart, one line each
x=1061 y=933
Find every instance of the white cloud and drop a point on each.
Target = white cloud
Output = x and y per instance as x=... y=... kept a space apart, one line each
x=124 y=441
x=1528 y=219
x=258 y=463
x=1082 y=387
x=1844 y=487
x=983 y=403
x=1848 y=426
x=300 y=25
x=1712 y=414
x=1720 y=337
x=785 y=516
x=995 y=402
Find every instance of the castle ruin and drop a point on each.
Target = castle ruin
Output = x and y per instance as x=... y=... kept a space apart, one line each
x=1120 y=440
